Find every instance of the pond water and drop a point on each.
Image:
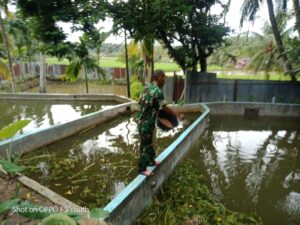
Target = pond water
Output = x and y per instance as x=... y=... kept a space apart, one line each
x=91 y=167
x=79 y=88
x=46 y=113
x=253 y=166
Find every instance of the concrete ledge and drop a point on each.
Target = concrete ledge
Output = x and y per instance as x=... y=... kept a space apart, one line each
x=133 y=199
x=265 y=109
x=45 y=136
x=86 y=97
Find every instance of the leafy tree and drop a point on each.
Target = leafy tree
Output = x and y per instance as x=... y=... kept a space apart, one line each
x=189 y=31
x=19 y=28
x=186 y=28
x=45 y=15
x=135 y=17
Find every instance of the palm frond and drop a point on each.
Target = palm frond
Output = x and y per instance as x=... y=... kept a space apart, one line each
x=73 y=70
x=248 y=10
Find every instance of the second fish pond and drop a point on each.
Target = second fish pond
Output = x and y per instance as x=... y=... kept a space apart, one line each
x=91 y=167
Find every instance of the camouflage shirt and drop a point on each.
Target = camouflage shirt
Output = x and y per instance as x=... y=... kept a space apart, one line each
x=151 y=100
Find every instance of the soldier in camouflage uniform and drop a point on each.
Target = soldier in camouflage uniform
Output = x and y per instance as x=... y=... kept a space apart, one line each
x=151 y=100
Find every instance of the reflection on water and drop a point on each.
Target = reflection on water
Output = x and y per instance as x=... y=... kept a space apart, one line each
x=89 y=168
x=254 y=166
x=46 y=113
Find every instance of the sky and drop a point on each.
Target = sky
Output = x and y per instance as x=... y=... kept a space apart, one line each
x=232 y=19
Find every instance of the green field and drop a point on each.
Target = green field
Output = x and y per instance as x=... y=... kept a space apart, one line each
x=171 y=67
x=114 y=62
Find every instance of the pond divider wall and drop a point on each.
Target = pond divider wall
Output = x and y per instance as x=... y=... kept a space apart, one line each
x=44 y=136
x=126 y=207
x=264 y=109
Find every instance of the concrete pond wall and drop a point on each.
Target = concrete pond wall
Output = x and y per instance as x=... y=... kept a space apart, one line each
x=131 y=201
x=44 y=136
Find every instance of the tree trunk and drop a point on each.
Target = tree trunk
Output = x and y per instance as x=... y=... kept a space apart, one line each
x=127 y=67
x=30 y=65
x=42 y=73
x=202 y=57
x=152 y=63
x=297 y=14
x=20 y=62
x=86 y=81
x=287 y=65
x=11 y=71
x=98 y=61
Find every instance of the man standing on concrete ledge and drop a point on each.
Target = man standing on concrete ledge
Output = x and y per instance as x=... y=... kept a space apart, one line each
x=151 y=101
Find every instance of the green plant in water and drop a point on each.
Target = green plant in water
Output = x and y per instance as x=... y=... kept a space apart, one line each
x=185 y=199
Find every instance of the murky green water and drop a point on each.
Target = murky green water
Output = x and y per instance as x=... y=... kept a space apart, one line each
x=89 y=168
x=46 y=113
x=253 y=166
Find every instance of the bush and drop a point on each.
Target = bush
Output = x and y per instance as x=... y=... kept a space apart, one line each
x=136 y=87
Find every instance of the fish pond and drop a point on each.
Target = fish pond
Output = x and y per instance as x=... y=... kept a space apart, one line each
x=91 y=167
x=253 y=166
x=43 y=114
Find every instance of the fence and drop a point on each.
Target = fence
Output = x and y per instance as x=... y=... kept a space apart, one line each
x=33 y=68
x=205 y=87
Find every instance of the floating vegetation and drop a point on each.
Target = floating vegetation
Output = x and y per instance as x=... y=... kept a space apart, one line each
x=92 y=167
x=185 y=199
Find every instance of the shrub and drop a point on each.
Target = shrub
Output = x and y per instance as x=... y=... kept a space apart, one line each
x=136 y=87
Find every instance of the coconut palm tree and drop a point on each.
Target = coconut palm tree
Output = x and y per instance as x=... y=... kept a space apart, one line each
x=282 y=6
x=3 y=7
x=263 y=49
x=297 y=15
x=94 y=40
x=249 y=10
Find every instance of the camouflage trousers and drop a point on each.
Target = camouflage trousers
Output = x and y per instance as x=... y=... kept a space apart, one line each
x=147 y=153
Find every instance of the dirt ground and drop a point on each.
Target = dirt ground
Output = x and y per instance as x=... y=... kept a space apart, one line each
x=7 y=191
